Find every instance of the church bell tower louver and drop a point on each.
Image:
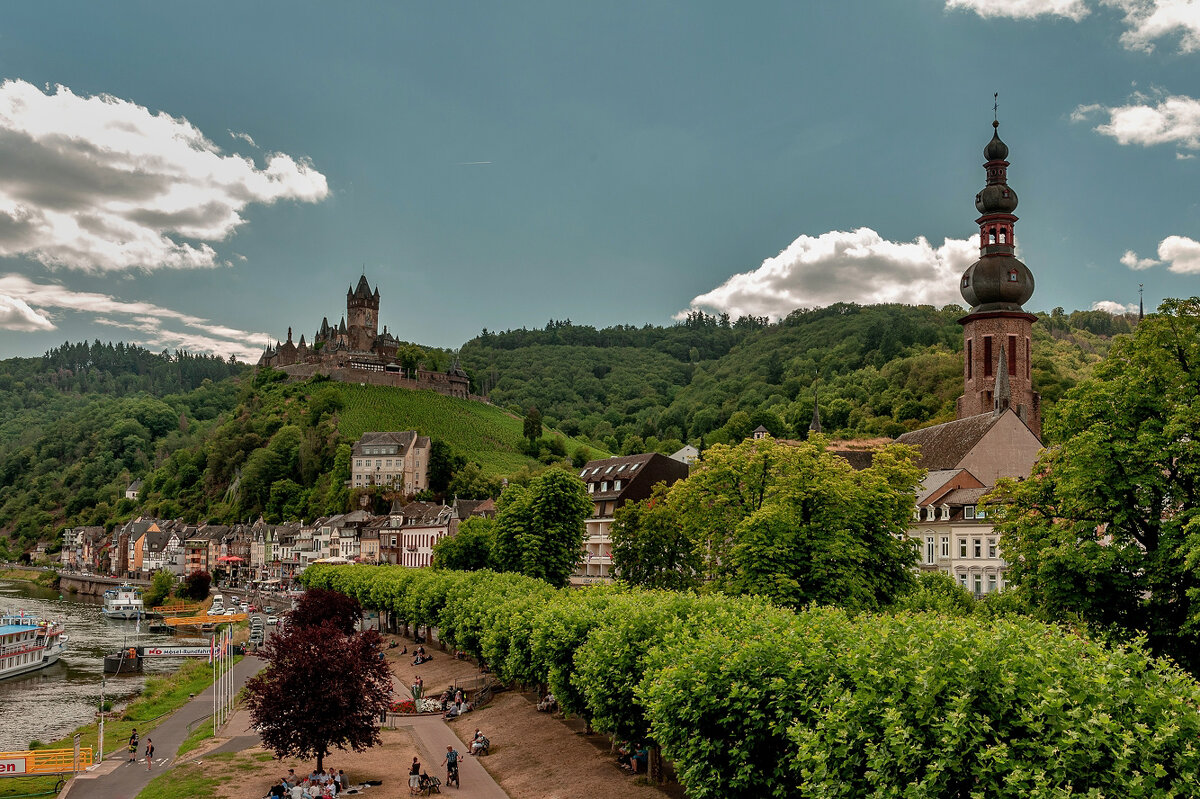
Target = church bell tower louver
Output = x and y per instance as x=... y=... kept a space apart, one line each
x=997 y=333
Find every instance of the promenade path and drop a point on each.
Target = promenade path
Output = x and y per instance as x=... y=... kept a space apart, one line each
x=116 y=778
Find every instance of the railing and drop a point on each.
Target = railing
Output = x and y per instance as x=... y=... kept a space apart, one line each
x=44 y=761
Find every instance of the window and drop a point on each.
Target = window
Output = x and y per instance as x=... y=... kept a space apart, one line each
x=916 y=514
x=977 y=546
x=591 y=488
x=945 y=513
x=991 y=584
x=978 y=584
x=987 y=356
x=970 y=359
x=968 y=511
x=962 y=549
x=991 y=547
x=929 y=552
x=616 y=485
x=979 y=514
x=945 y=546
x=604 y=485
x=1012 y=355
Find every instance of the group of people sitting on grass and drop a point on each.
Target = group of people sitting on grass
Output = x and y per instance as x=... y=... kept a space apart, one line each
x=454 y=703
x=632 y=758
x=420 y=657
x=321 y=784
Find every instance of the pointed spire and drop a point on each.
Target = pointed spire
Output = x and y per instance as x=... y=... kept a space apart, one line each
x=289 y=335
x=1141 y=304
x=1003 y=391
x=815 y=427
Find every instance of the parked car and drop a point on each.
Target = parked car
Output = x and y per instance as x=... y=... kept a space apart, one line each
x=272 y=620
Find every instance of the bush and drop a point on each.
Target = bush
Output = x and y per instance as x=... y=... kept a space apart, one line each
x=195 y=586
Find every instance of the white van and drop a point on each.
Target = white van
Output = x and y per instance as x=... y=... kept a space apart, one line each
x=218 y=602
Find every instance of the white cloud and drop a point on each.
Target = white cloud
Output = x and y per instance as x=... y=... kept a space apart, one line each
x=1179 y=253
x=101 y=184
x=1182 y=253
x=1114 y=308
x=1184 y=156
x=1023 y=9
x=1149 y=20
x=161 y=328
x=1131 y=259
x=846 y=266
x=15 y=314
x=1172 y=120
x=243 y=137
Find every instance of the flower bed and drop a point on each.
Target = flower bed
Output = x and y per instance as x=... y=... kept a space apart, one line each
x=412 y=707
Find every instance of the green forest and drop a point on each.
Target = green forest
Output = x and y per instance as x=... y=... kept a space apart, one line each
x=874 y=371
x=214 y=440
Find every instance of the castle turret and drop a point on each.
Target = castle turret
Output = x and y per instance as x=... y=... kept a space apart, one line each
x=362 y=311
x=997 y=332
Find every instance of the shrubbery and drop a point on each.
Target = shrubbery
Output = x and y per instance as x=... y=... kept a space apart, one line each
x=749 y=699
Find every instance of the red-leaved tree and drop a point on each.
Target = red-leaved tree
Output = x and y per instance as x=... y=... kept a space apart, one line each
x=318 y=606
x=321 y=689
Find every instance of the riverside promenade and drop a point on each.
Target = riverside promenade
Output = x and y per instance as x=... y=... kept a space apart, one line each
x=116 y=778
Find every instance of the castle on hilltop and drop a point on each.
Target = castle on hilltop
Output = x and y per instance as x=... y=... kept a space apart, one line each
x=354 y=351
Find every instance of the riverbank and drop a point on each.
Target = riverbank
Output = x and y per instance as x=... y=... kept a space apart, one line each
x=161 y=696
x=43 y=577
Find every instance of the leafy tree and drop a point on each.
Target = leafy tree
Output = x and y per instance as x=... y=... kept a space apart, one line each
x=470 y=548
x=533 y=425
x=195 y=586
x=539 y=529
x=160 y=588
x=315 y=667
x=318 y=607
x=794 y=523
x=1108 y=526
x=650 y=546
x=443 y=464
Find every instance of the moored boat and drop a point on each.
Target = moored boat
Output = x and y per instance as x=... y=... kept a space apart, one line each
x=28 y=643
x=123 y=602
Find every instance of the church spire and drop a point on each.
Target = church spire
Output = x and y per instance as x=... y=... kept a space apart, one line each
x=1003 y=389
x=815 y=427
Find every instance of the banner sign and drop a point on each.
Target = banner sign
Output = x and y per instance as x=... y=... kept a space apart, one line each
x=176 y=652
x=10 y=766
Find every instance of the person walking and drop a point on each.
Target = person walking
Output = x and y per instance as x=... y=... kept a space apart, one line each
x=133 y=745
x=149 y=753
x=414 y=777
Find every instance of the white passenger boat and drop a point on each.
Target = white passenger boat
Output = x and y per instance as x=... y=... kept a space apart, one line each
x=28 y=643
x=123 y=602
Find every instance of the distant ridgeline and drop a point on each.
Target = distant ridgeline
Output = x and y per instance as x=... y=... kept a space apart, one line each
x=354 y=351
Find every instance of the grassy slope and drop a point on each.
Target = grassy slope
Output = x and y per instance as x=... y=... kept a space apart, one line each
x=475 y=430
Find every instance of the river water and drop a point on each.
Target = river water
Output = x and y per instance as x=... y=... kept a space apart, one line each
x=48 y=704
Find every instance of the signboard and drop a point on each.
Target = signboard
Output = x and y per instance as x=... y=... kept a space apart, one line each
x=176 y=652
x=12 y=765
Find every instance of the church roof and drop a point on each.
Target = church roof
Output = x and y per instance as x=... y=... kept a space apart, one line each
x=944 y=446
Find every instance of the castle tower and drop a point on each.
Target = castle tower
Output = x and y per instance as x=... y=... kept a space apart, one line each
x=362 y=311
x=997 y=332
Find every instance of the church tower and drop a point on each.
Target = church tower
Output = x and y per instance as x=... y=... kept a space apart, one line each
x=362 y=315
x=997 y=332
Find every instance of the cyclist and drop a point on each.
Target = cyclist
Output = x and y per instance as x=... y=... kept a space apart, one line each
x=451 y=763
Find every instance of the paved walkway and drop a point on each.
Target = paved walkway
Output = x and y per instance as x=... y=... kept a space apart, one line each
x=432 y=735
x=117 y=778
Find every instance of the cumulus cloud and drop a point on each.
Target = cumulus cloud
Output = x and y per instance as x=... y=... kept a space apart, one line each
x=1023 y=9
x=846 y=266
x=1179 y=253
x=1173 y=120
x=1146 y=21
x=101 y=184
x=1131 y=259
x=159 y=327
x=1114 y=308
x=15 y=314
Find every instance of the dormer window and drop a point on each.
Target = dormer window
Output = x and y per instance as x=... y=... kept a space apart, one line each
x=604 y=486
x=969 y=512
x=916 y=514
x=945 y=513
x=591 y=488
x=616 y=485
x=1012 y=275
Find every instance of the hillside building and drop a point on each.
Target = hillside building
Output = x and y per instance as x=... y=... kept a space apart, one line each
x=611 y=483
x=398 y=460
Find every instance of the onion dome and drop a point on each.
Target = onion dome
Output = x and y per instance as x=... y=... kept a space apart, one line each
x=996 y=150
x=997 y=283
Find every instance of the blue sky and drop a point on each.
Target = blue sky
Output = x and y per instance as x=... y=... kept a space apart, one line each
x=206 y=175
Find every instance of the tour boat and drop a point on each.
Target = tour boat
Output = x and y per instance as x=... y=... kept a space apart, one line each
x=123 y=602
x=28 y=643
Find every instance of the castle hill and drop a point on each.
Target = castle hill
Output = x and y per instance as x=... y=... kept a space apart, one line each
x=694 y=425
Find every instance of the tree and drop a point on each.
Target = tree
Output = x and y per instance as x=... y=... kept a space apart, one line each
x=443 y=464
x=317 y=607
x=650 y=546
x=1107 y=529
x=533 y=425
x=794 y=523
x=319 y=667
x=470 y=548
x=539 y=529
x=195 y=586
x=160 y=588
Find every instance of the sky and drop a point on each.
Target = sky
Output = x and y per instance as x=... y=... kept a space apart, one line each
x=204 y=176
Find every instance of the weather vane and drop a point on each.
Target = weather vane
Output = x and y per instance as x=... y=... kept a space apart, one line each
x=996 y=106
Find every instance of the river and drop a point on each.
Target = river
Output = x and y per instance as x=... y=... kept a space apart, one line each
x=48 y=704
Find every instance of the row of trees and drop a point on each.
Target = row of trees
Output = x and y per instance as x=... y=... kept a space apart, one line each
x=749 y=699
